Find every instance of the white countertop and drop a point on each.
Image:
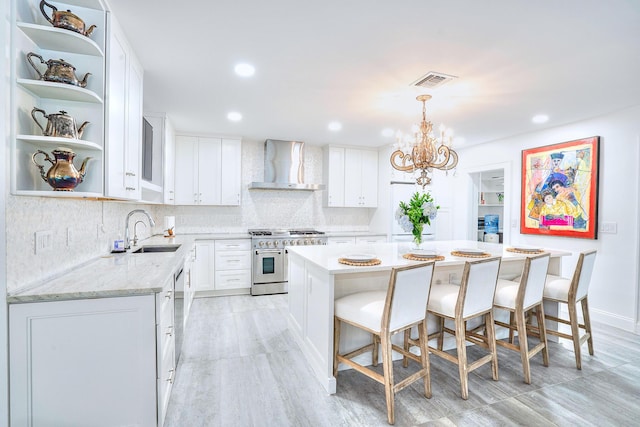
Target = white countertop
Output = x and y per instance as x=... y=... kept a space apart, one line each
x=117 y=274
x=326 y=257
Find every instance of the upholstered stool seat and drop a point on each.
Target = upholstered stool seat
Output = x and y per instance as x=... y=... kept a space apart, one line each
x=364 y=309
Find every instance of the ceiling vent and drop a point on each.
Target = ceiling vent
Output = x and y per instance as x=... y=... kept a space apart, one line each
x=433 y=80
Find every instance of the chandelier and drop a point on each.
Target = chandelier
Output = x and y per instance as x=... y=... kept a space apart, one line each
x=426 y=152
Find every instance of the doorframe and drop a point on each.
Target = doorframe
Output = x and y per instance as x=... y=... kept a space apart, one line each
x=509 y=197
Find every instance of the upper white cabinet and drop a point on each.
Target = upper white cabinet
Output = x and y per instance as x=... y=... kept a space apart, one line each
x=161 y=188
x=124 y=117
x=31 y=33
x=351 y=176
x=207 y=171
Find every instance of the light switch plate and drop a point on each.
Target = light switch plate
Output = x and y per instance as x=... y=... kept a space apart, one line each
x=609 y=227
x=44 y=241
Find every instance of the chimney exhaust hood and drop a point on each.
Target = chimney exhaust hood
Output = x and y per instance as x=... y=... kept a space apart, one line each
x=284 y=167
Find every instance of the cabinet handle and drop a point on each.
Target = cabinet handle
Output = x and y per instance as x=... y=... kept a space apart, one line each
x=130 y=188
x=168 y=295
x=130 y=174
x=170 y=379
x=169 y=330
x=170 y=191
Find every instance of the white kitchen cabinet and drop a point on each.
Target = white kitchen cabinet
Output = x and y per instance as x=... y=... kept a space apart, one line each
x=351 y=177
x=381 y=238
x=165 y=347
x=342 y=240
x=30 y=32
x=124 y=117
x=361 y=178
x=161 y=188
x=334 y=176
x=204 y=268
x=84 y=362
x=207 y=171
x=233 y=264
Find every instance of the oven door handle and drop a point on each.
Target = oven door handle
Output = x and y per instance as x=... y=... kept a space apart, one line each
x=267 y=251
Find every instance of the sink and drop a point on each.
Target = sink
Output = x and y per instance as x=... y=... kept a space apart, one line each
x=156 y=248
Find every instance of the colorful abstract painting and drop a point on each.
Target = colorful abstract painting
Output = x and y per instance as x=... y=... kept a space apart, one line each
x=560 y=189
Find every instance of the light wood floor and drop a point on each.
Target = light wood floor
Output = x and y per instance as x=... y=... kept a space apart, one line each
x=240 y=367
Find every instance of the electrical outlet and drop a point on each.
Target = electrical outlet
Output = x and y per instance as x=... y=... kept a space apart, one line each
x=609 y=227
x=69 y=237
x=44 y=241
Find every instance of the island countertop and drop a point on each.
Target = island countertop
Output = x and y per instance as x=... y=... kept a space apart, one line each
x=390 y=254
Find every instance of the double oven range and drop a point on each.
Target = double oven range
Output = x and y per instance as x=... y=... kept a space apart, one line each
x=270 y=263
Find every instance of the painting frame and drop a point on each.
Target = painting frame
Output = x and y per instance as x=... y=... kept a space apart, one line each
x=559 y=193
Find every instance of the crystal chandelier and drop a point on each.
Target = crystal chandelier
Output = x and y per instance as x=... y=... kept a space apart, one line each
x=425 y=152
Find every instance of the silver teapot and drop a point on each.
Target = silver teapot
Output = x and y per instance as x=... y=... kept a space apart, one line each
x=62 y=175
x=59 y=124
x=58 y=70
x=66 y=20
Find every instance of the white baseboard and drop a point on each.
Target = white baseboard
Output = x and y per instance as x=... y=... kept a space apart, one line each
x=615 y=320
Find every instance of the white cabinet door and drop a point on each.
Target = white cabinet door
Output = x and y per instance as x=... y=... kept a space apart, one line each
x=186 y=168
x=230 y=172
x=352 y=177
x=371 y=239
x=83 y=362
x=345 y=240
x=205 y=266
x=335 y=177
x=124 y=97
x=369 y=178
x=209 y=165
x=214 y=177
x=169 y=167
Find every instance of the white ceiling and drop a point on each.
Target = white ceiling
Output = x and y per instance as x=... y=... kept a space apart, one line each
x=354 y=60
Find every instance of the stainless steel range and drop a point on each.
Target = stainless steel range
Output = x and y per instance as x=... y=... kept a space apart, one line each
x=270 y=259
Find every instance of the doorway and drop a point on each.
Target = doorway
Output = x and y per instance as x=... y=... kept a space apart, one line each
x=491 y=204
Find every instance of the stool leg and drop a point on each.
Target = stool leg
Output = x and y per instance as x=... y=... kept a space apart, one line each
x=462 y=358
x=374 y=352
x=511 y=322
x=406 y=346
x=523 y=344
x=424 y=356
x=587 y=324
x=387 y=367
x=336 y=345
x=575 y=332
x=542 y=329
x=441 y=336
x=491 y=338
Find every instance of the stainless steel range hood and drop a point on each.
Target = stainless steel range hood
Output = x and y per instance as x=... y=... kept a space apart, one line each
x=284 y=167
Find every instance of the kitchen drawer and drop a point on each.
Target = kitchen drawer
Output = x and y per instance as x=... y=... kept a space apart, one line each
x=233 y=245
x=233 y=279
x=232 y=260
x=341 y=240
x=165 y=302
x=371 y=239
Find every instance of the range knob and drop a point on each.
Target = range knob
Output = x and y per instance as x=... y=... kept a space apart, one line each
x=285 y=242
x=269 y=243
x=276 y=243
x=261 y=244
x=298 y=242
x=306 y=242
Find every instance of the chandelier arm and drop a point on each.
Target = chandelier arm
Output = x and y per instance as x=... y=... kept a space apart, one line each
x=449 y=161
x=404 y=157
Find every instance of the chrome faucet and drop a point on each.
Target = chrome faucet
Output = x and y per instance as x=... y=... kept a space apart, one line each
x=135 y=231
x=152 y=223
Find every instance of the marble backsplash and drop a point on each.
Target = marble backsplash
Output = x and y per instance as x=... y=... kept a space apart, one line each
x=93 y=224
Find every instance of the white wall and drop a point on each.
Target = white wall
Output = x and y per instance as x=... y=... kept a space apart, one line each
x=613 y=295
x=4 y=186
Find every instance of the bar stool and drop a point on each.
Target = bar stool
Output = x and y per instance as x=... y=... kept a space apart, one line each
x=520 y=297
x=472 y=298
x=384 y=313
x=571 y=292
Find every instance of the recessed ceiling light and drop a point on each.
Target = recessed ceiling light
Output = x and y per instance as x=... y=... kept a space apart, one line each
x=335 y=126
x=234 y=116
x=388 y=132
x=245 y=70
x=540 y=118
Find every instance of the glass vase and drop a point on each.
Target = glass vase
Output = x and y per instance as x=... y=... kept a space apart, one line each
x=417 y=236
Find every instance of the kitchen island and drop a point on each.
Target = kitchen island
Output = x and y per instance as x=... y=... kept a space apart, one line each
x=316 y=279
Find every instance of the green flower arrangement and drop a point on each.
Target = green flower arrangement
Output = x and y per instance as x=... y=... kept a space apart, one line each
x=412 y=217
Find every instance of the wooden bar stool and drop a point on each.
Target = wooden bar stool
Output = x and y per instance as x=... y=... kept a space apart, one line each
x=472 y=298
x=384 y=313
x=520 y=297
x=571 y=292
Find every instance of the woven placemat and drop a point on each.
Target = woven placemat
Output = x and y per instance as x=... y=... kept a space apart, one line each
x=530 y=252
x=374 y=261
x=462 y=254
x=423 y=258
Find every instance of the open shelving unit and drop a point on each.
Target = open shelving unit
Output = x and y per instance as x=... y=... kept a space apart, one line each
x=33 y=33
